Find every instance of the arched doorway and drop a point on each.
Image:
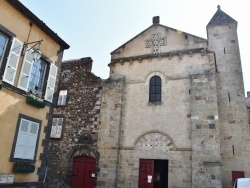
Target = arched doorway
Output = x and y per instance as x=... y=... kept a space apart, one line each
x=84 y=172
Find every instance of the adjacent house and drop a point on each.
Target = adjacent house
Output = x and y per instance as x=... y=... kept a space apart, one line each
x=30 y=60
x=73 y=156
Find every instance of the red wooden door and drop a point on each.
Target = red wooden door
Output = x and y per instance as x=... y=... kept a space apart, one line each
x=237 y=174
x=83 y=175
x=90 y=171
x=146 y=172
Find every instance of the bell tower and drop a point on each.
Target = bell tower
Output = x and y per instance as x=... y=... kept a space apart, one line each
x=234 y=128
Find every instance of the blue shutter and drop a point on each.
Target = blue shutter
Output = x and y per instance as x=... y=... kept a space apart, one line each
x=23 y=81
x=51 y=83
x=22 y=139
x=26 y=140
x=12 y=61
x=31 y=140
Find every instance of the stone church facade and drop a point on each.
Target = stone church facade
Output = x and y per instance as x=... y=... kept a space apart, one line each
x=172 y=113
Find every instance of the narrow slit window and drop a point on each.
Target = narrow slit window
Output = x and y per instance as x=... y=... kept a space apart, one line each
x=155 y=89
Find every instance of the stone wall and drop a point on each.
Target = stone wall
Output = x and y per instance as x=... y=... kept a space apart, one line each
x=109 y=132
x=155 y=145
x=80 y=120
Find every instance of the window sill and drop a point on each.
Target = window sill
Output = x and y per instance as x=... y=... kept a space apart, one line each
x=61 y=105
x=156 y=103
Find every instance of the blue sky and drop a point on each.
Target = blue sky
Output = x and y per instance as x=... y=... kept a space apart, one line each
x=94 y=28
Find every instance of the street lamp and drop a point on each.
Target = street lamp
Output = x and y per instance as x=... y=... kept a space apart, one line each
x=36 y=53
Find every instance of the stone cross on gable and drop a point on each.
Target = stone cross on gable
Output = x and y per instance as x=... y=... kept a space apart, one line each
x=156 y=42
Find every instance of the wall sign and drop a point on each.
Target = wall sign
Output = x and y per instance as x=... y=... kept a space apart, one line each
x=6 y=178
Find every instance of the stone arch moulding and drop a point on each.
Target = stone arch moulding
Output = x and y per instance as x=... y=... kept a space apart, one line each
x=156 y=140
x=156 y=73
x=83 y=150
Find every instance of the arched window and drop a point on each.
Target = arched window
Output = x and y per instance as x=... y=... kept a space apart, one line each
x=155 y=89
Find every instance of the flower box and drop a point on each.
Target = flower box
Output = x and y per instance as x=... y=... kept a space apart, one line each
x=23 y=167
x=35 y=101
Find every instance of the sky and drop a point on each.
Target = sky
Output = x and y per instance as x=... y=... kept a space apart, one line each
x=94 y=28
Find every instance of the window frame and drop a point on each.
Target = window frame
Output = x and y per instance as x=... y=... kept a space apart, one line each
x=22 y=116
x=46 y=72
x=155 y=92
x=4 y=50
x=66 y=97
x=58 y=116
x=10 y=36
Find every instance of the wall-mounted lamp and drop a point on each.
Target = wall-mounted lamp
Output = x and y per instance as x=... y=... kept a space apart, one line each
x=36 y=53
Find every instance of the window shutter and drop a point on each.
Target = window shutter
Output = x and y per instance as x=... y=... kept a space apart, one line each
x=22 y=139
x=56 y=129
x=51 y=83
x=23 y=81
x=31 y=140
x=12 y=61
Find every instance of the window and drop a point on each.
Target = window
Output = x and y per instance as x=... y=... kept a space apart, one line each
x=32 y=76
x=3 y=43
x=155 y=89
x=66 y=76
x=26 y=138
x=62 y=98
x=56 y=129
x=37 y=77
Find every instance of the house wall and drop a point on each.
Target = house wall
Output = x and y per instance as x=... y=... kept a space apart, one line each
x=18 y=24
x=13 y=104
x=13 y=100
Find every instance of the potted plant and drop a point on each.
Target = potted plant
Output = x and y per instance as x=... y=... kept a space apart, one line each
x=35 y=101
x=1 y=84
x=23 y=167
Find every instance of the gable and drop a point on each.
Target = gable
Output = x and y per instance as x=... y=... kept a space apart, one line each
x=158 y=39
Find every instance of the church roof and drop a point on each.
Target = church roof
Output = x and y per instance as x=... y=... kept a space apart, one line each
x=220 y=18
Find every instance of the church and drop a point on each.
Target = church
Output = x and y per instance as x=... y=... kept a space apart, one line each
x=172 y=113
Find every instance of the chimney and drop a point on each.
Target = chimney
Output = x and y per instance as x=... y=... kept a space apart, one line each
x=156 y=19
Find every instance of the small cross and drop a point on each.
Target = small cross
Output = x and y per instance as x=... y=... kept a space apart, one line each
x=156 y=43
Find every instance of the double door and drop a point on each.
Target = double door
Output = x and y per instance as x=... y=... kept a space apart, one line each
x=153 y=173
x=84 y=170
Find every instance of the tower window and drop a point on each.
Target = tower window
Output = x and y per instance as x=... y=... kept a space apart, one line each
x=155 y=89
